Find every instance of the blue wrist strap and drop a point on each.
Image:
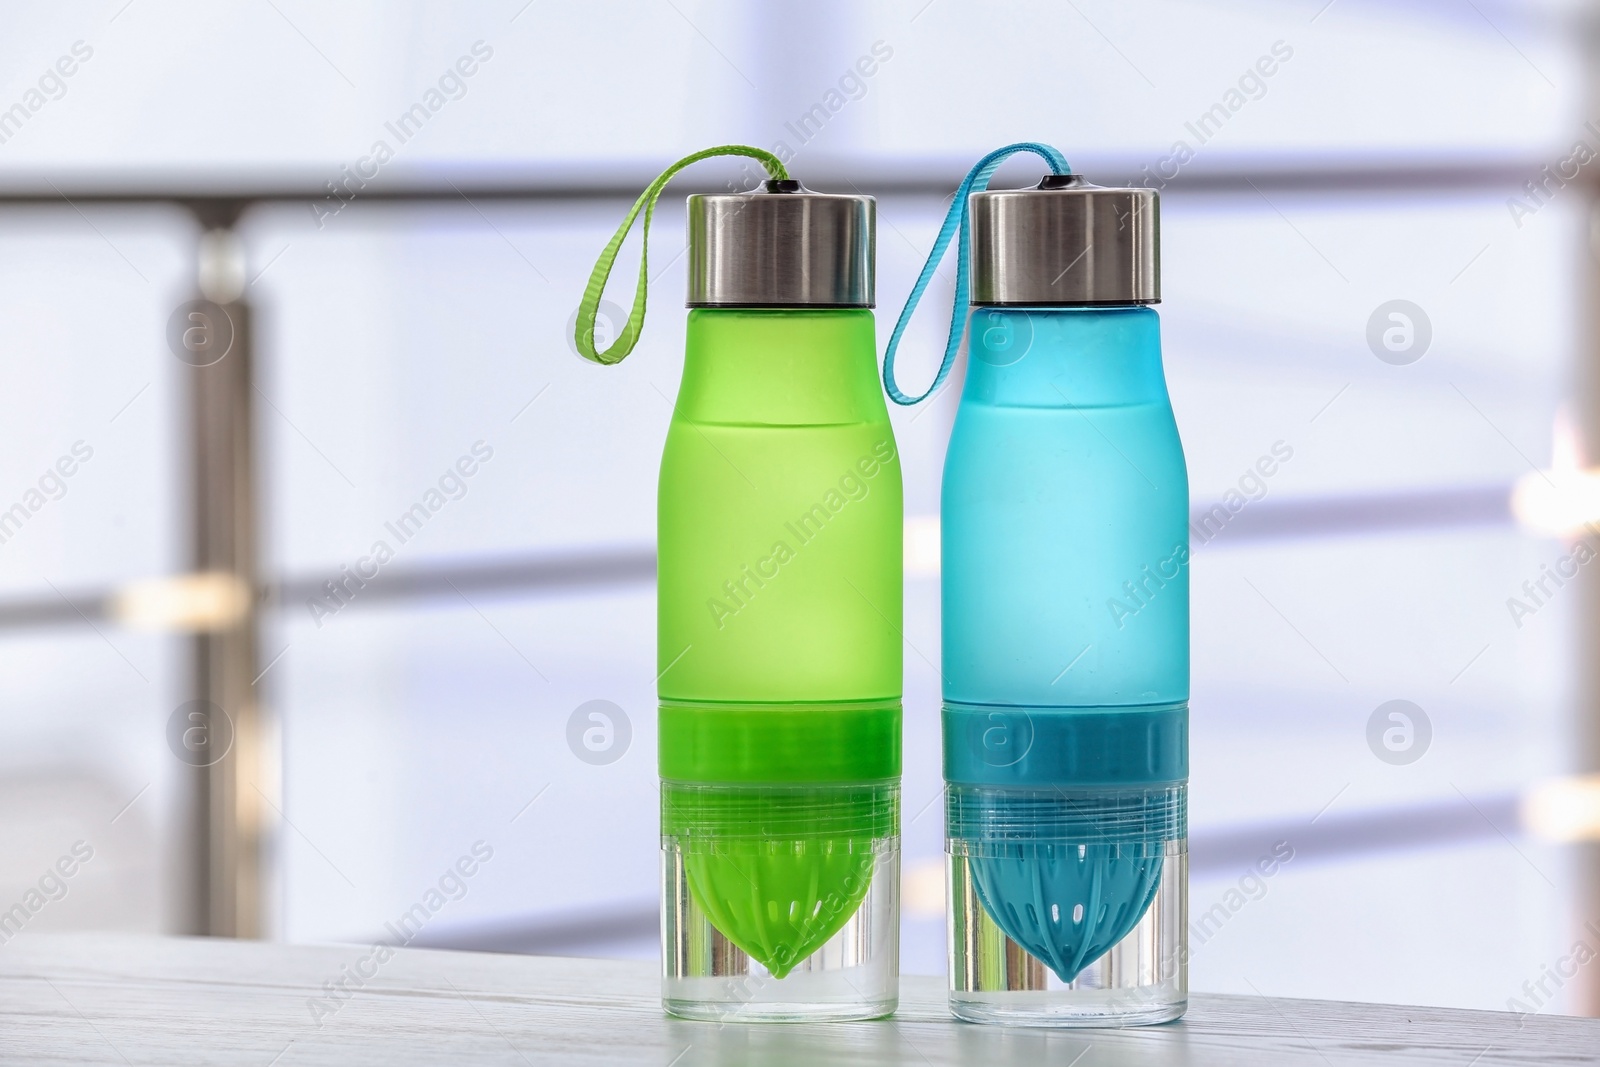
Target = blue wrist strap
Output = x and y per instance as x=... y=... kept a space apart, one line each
x=957 y=219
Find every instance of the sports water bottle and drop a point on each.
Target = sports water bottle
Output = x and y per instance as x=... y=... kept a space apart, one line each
x=779 y=614
x=1064 y=522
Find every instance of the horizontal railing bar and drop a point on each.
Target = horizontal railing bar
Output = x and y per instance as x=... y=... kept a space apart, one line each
x=552 y=934
x=230 y=194
x=551 y=573
x=1357 y=834
x=1353 y=514
x=548 y=573
x=23 y=613
x=1224 y=853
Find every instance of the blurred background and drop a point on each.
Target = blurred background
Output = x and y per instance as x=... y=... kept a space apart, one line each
x=1379 y=264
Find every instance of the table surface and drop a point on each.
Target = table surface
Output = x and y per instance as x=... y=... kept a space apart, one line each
x=118 y=999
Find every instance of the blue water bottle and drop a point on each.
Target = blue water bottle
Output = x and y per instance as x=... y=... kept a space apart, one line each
x=1066 y=613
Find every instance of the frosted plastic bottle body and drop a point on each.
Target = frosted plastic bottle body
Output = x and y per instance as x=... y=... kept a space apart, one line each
x=780 y=487
x=779 y=610
x=1066 y=663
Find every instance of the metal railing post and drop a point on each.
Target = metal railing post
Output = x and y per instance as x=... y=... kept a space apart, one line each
x=230 y=798
x=1586 y=663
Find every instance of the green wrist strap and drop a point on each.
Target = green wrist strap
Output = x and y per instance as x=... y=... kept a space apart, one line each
x=589 y=309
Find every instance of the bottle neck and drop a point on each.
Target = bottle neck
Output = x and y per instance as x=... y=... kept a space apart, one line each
x=780 y=367
x=1065 y=357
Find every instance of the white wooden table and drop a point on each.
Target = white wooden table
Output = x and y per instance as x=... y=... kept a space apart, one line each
x=111 y=999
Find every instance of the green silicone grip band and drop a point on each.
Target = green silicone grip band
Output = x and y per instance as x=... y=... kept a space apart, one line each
x=589 y=308
x=779 y=743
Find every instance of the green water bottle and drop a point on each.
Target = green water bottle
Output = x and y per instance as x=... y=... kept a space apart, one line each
x=779 y=613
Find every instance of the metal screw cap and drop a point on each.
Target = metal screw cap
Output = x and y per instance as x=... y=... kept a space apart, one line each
x=1066 y=243
x=784 y=246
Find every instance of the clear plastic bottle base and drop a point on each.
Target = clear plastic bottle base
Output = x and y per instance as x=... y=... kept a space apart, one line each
x=1023 y=1009
x=854 y=975
x=1142 y=980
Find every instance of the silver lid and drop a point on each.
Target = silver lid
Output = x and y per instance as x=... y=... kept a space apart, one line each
x=1066 y=242
x=782 y=247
